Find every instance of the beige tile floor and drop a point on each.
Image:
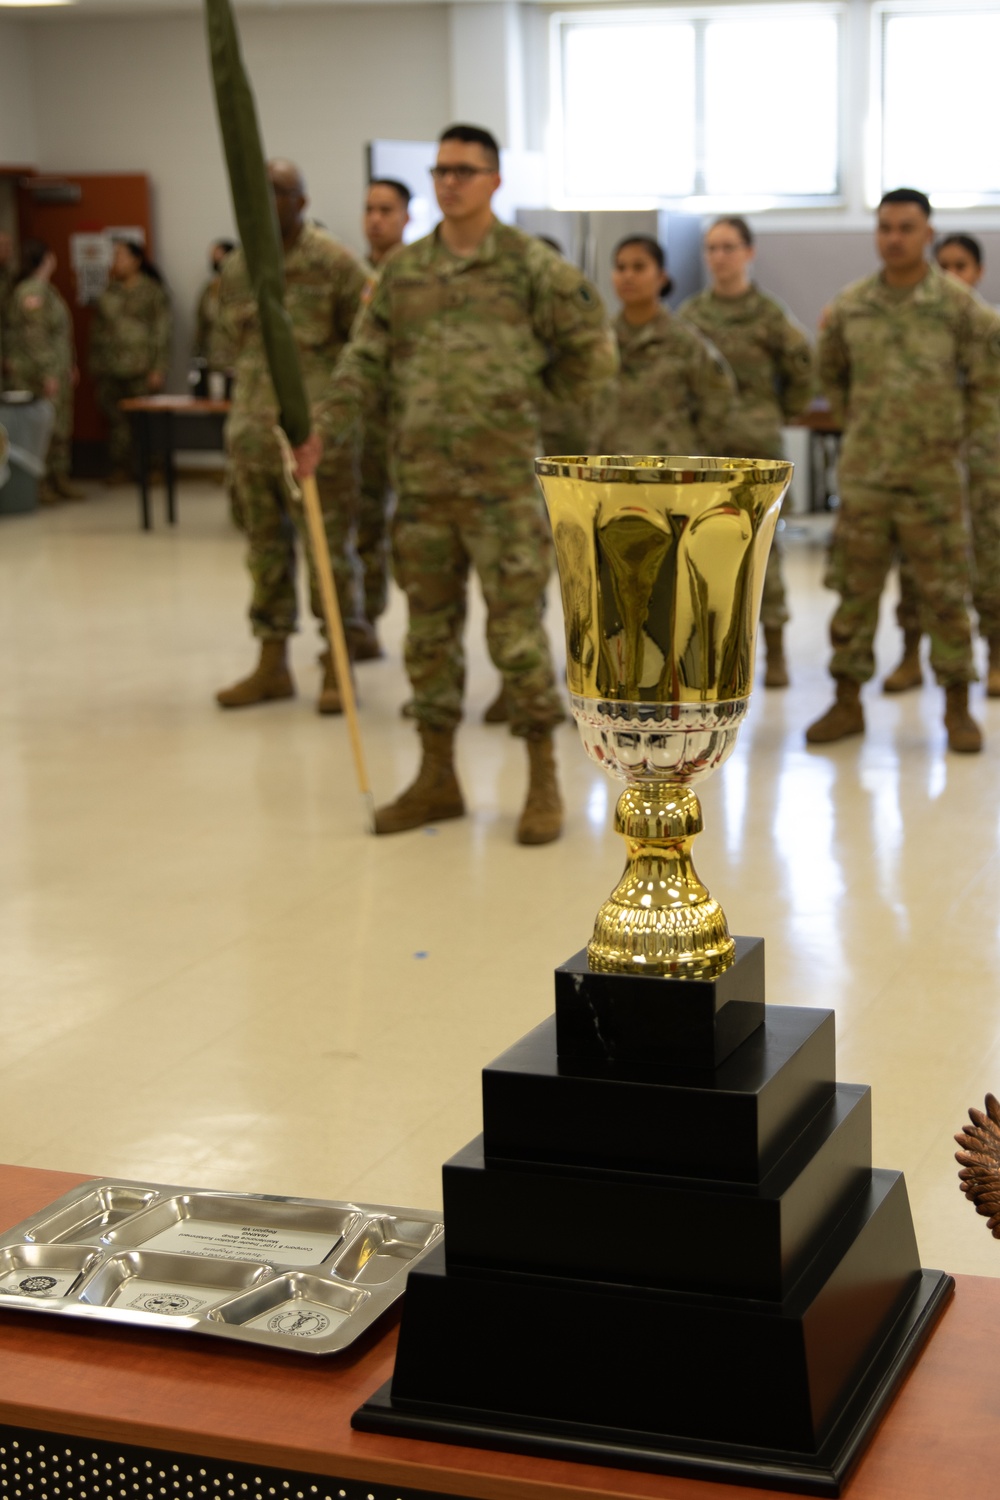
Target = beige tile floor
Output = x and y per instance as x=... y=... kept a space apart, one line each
x=211 y=974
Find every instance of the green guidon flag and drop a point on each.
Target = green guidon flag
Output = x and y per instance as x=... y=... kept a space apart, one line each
x=253 y=204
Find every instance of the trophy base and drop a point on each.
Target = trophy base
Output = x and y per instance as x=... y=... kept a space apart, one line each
x=681 y=1266
x=822 y=1472
x=615 y=1017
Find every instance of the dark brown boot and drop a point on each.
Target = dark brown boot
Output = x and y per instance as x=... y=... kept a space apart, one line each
x=542 y=818
x=776 y=674
x=907 y=674
x=434 y=796
x=964 y=734
x=844 y=718
x=365 y=644
x=329 y=700
x=993 y=674
x=497 y=712
x=269 y=679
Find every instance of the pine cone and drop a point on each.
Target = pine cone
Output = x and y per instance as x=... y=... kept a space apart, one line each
x=979 y=1159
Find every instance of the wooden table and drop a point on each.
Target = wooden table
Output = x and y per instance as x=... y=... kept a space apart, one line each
x=183 y=1396
x=163 y=424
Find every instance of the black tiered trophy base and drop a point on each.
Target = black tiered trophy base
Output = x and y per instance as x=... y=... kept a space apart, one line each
x=686 y=1268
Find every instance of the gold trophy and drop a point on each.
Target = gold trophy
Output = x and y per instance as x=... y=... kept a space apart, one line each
x=661 y=566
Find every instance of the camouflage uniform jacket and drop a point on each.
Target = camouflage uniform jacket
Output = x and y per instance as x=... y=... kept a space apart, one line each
x=39 y=337
x=770 y=357
x=6 y=287
x=130 y=333
x=674 y=393
x=982 y=452
x=323 y=285
x=464 y=349
x=911 y=373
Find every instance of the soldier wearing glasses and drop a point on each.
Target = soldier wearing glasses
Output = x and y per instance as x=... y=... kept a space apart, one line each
x=465 y=331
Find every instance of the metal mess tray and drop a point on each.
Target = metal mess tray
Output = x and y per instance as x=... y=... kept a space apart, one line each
x=288 y=1273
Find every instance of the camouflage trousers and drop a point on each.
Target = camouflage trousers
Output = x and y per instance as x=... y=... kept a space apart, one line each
x=984 y=525
x=774 y=603
x=58 y=460
x=927 y=524
x=374 y=516
x=271 y=522
x=110 y=389
x=507 y=541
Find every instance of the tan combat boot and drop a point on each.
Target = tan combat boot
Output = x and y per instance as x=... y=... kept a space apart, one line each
x=907 y=674
x=844 y=718
x=993 y=673
x=964 y=734
x=434 y=796
x=541 y=820
x=497 y=712
x=776 y=674
x=269 y=679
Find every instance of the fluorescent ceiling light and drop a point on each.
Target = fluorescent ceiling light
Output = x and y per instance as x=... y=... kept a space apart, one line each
x=34 y=4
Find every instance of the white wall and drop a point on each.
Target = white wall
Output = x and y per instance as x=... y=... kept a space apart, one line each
x=133 y=95
x=18 y=142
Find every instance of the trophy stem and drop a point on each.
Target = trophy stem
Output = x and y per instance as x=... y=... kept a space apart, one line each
x=660 y=919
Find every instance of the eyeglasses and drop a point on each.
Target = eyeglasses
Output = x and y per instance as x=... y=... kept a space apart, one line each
x=460 y=174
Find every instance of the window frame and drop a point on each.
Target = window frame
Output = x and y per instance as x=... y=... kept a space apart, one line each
x=875 y=181
x=698 y=202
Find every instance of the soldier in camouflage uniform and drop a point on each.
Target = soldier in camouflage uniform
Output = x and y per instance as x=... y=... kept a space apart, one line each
x=674 y=392
x=6 y=279
x=40 y=357
x=323 y=286
x=770 y=357
x=911 y=363
x=961 y=256
x=207 y=311
x=387 y=214
x=463 y=332
x=129 y=344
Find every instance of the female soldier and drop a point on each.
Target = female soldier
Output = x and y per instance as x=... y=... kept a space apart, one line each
x=39 y=356
x=961 y=256
x=129 y=343
x=673 y=392
x=770 y=357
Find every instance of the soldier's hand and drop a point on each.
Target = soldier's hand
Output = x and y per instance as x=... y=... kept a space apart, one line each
x=308 y=455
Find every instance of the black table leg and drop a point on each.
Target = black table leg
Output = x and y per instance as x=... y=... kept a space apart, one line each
x=168 y=467
x=140 y=425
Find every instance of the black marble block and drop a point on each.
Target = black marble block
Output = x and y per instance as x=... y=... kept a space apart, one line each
x=721 y=1370
x=651 y=1231
x=692 y=1023
x=731 y=1123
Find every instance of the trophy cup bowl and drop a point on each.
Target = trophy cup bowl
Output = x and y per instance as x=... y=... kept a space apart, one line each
x=661 y=567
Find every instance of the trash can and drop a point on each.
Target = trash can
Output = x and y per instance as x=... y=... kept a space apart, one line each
x=28 y=424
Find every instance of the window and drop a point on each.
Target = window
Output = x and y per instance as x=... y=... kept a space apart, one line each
x=674 y=105
x=940 y=107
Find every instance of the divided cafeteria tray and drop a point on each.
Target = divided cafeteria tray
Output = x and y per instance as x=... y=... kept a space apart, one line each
x=289 y=1273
